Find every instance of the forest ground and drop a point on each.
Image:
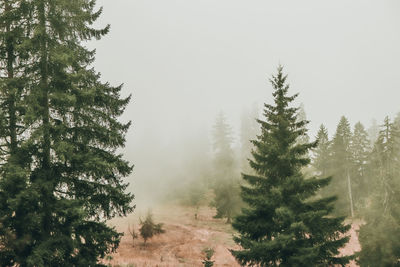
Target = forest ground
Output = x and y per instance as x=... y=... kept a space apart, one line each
x=185 y=239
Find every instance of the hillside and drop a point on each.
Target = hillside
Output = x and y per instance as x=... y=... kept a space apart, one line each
x=184 y=240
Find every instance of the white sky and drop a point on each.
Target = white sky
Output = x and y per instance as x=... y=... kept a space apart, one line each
x=185 y=60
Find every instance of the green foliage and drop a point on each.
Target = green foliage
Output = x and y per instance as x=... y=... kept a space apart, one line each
x=301 y=116
x=226 y=185
x=284 y=223
x=222 y=135
x=62 y=178
x=227 y=199
x=16 y=214
x=148 y=228
x=321 y=160
x=345 y=158
x=360 y=151
x=373 y=132
x=380 y=236
x=341 y=164
x=207 y=261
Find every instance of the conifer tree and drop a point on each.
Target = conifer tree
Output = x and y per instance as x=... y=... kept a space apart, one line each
x=380 y=235
x=207 y=262
x=148 y=228
x=15 y=210
x=74 y=183
x=284 y=223
x=373 y=132
x=360 y=150
x=321 y=160
x=226 y=185
x=342 y=163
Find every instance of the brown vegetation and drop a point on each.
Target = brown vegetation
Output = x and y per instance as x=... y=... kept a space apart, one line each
x=185 y=239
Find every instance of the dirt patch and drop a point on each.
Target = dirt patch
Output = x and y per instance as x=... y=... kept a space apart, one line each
x=353 y=245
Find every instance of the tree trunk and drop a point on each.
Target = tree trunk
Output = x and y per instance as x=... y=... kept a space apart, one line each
x=350 y=194
x=44 y=86
x=48 y=186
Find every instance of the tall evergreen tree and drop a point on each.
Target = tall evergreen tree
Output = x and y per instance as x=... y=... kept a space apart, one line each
x=15 y=209
x=284 y=223
x=360 y=150
x=321 y=159
x=373 y=132
x=341 y=162
x=226 y=185
x=380 y=235
x=75 y=176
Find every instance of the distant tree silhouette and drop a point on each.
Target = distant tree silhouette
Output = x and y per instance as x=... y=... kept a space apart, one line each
x=226 y=183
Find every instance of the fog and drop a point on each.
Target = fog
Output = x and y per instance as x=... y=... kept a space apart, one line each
x=185 y=61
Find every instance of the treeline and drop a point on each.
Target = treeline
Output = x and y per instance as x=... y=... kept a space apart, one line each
x=60 y=175
x=355 y=159
x=355 y=174
x=212 y=177
x=365 y=166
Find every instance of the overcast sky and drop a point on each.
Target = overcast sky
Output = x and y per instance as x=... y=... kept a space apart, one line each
x=186 y=60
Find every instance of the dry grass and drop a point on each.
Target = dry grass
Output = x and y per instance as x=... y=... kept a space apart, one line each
x=185 y=239
x=182 y=244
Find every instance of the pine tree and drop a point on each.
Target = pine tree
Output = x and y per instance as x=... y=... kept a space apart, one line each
x=72 y=132
x=341 y=163
x=380 y=235
x=321 y=159
x=360 y=150
x=284 y=223
x=226 y=185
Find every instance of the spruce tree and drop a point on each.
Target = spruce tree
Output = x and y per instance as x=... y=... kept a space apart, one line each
x=360 y=150
x=74 y=180
x=380 y=235
x=373 y=132
x=284 y=223
x=342 y=164
x=15 y=207
x=321 y=159
x=226 y=185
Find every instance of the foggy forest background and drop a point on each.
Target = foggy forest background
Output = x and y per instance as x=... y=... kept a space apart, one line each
x=280 y=119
